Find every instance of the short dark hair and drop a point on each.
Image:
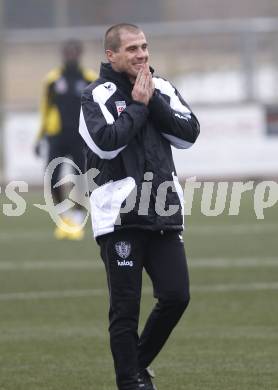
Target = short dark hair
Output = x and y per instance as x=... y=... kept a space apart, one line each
x=112 y=39
x=72 y=44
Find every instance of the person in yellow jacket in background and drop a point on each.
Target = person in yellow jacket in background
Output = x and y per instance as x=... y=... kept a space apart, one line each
x=60 y=110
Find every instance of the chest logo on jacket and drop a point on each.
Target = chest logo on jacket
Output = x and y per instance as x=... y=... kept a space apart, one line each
x=61 y=86
x=121 y=106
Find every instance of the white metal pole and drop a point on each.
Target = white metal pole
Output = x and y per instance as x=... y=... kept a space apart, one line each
x=2 y=97
x=61 y=14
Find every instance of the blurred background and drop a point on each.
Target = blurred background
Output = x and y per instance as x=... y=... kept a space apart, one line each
x=222 y=56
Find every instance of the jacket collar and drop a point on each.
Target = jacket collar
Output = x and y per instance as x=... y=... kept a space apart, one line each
x=107 y=72
x=71 y=70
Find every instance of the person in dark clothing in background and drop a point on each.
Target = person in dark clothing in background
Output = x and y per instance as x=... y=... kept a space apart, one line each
x=60 y=110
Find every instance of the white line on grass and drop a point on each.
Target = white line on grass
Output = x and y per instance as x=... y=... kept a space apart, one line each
x=32 y=235
x=38 y=295
x=244 y=262
x=36 y=265
x=10 y=265
x=51 y=294
x=47 y=332
x=95 y=330
x=255 y=228
x=259 y=286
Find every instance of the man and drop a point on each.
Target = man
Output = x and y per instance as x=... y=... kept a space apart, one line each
x=129 y=120
x=60 y=109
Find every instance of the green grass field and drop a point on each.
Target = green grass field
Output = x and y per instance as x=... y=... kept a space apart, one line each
x=54 y=304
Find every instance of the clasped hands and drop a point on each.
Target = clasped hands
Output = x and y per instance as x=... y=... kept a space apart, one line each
x=143 y=88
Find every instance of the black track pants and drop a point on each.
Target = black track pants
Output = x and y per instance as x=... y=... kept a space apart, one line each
x=125 y=253
x=72 y=148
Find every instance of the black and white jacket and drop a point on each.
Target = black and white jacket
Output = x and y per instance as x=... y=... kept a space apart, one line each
x=129 y=143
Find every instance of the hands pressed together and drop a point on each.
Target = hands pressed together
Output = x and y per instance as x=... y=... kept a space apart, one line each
x=143 y=87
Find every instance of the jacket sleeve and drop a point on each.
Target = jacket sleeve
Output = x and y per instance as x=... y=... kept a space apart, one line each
x=103 y=134
x=49 y=116
x=44 y=109
x=89 y=75
x=172 y=116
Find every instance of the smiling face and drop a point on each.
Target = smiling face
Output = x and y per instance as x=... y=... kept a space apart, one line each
x=131 y=54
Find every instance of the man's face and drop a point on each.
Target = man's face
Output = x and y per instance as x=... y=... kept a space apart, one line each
x=71 y=54
x=131 y=55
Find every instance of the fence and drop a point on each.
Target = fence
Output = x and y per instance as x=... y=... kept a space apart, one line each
x=249 y=48
x=210 y=61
